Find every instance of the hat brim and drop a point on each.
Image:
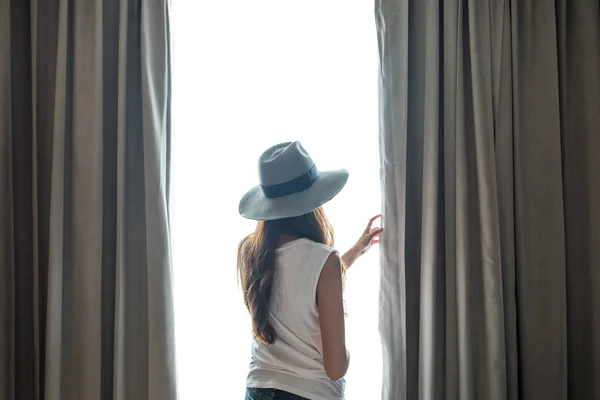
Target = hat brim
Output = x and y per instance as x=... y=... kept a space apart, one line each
x=254 y=205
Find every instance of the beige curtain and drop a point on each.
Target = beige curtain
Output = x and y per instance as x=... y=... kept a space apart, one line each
x=85 y=278
x=490 y=146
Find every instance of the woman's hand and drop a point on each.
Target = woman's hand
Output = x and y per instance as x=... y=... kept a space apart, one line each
x=369 y=237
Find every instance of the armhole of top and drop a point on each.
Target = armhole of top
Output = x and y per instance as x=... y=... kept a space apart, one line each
x=320 y=270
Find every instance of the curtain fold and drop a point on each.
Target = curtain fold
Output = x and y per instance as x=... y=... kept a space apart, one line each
x=85 y=277
x=489 y=139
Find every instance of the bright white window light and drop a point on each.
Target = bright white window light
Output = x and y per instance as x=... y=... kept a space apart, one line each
x=247 y=75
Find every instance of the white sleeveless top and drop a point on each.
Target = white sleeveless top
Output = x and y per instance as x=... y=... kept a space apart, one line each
x=294 y=363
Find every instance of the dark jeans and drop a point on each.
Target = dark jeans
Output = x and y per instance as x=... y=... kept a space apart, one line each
x=270 y=394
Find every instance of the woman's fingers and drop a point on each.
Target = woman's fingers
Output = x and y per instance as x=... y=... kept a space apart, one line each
x=375 y=231
x=370 y=236
x=375 y=235
x=371 y=223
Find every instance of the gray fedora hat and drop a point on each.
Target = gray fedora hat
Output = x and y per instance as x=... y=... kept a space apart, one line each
x=290 y=184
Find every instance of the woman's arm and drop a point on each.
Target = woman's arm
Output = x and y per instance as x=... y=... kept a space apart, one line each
x=350 y=256
x=331 y=319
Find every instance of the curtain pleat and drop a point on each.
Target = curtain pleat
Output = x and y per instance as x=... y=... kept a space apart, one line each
x=578 y=36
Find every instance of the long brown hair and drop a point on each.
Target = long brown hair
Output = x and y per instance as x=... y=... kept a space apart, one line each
x=256 y=263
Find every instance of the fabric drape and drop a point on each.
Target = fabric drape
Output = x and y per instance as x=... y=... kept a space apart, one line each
x=85 y=277
x=490 y=160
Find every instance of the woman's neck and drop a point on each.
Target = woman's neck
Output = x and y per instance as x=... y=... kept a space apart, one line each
x=283 y=239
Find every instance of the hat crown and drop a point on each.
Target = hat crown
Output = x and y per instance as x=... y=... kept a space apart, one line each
x=283 y=162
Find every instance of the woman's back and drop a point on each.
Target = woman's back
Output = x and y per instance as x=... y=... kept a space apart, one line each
x=294 y=362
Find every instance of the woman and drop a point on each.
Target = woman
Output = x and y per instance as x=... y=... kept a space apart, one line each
x=292 y=277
